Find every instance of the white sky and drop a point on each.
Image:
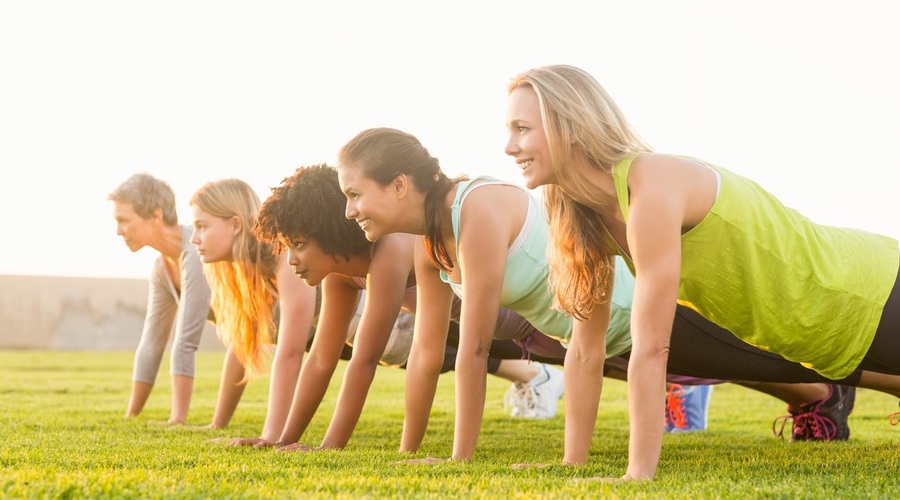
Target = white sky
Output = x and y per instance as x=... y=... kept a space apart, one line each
x=801 y=97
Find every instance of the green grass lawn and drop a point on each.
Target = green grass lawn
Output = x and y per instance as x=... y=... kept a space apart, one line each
x=63 y=436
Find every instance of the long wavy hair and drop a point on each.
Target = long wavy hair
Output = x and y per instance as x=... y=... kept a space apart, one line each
x=385 y=153
x=243 y=292
x=578 y=116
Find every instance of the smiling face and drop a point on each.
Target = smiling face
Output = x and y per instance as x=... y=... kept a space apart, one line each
x=136 y=231
x=373 y=207
x=214 y=236
x=527 y=140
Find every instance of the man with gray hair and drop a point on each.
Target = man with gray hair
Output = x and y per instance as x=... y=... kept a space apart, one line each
x=179 y=294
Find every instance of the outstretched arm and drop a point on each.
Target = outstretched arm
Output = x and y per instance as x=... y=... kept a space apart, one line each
x=297 y=303
x=484 y=238
x=230 y=390
x=584 y=381
x=660 y=203
x=389 y=271
x=433 y=300
x=338 y=305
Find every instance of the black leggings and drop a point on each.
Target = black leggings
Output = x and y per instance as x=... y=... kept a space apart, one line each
x=884 y=353
x=700 y=348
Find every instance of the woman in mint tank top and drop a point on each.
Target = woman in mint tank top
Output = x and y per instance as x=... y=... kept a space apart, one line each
x=304 y=218
x=481 y=244
x=694 y=235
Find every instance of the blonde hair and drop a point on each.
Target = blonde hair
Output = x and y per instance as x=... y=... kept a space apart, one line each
x=578 y=115
x=243 y=294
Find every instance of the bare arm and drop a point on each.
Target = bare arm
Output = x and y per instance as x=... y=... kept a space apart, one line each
x=338 y=305
x=658 y=210
x=297 y=303
x=485 y=233
x=230 y=390
x=388 y=273
x=433 y=300
x=584 y=381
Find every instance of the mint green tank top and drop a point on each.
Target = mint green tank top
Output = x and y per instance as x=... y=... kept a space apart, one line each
x=525 y=289
x=812 y=293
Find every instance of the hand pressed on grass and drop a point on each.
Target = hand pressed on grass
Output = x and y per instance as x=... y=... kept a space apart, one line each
x=297 y=447
x=256 y=442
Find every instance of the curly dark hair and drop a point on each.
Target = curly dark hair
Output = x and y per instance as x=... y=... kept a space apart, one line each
x=310 y=205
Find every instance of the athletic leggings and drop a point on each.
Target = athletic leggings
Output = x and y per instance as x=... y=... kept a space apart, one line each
x=707 y=353
x=700 y=348
x=884 y=353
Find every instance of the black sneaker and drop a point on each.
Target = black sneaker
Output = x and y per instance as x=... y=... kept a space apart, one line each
x=823 y=419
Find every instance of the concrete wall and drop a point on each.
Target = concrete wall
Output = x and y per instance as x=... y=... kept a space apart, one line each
x=44 y=312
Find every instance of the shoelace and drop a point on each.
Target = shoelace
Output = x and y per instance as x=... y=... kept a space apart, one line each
x=675 y=407
x=821 y=427
x=894 y=418
x=808 y=424
x=783 y=419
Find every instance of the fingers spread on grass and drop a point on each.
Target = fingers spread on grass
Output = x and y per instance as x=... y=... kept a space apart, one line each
x=247 y=441
x=295 y=447
x=266 y=444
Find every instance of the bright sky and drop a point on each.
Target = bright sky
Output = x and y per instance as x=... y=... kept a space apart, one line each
x=802 y=97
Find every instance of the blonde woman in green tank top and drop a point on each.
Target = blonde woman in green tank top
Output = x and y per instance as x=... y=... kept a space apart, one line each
x=695 y=235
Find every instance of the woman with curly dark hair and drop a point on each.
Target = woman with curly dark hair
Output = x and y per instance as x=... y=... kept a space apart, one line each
x=305 y=217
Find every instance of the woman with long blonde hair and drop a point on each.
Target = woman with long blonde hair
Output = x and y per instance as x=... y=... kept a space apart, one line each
x=256 y=298
x=484 y=241
x=695 y=236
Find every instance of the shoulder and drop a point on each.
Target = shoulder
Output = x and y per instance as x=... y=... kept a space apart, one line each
x=394 y=242
x=666 y=170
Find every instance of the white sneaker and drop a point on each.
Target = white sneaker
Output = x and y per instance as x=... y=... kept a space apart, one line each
x=518 y=400
x=539 y=398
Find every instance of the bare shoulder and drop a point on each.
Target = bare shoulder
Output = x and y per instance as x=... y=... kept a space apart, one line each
x=395 y=242
x=686 y=185
x=496 y=201
x=666 y=170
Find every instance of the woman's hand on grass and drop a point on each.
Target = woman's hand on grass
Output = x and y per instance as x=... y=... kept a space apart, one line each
x=296 y=447
x=256 y=442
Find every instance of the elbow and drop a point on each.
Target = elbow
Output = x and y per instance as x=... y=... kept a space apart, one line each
x=652 y=353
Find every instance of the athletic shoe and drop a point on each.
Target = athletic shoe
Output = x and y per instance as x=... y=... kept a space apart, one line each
x=687 y=408
x=821 y=420
x=894 y=418
x=537 y=399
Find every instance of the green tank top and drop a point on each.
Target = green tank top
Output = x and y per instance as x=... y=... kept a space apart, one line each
x=811 y=293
